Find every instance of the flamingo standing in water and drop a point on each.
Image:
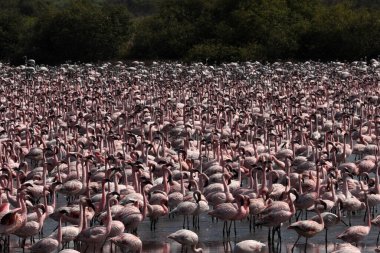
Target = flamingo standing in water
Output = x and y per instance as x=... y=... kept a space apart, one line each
x=186 y=238
x=127 y=242
x=308 y=228
x=355 y=234
x=15 y=219
x=329 y=219
x=376 y=222
x=96 y=235
x=31 y=228
x=231 y=212
x=48 y=245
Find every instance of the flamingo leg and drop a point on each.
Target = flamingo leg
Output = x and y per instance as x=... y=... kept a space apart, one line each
x=229 y=228
x=250 y=224
x=344 y=223
x=305 y=244
x=298 y=215
x=377 y=241
x=279 y=232
x=295 y=243
x=349 y=218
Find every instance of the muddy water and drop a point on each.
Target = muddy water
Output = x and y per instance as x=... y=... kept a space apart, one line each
x=211 y=237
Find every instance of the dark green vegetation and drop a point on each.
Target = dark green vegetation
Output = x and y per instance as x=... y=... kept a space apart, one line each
x=54 y=31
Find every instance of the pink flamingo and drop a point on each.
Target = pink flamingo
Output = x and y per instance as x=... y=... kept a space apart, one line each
x=231 y=212
x=186 y=238
x=187 y=208
x=248 y=246
x=355 y=234
x=15 y=219
x=308 y=228
x=131 y=215
x=48 y=245
x=70 y=233
x=156 y=211
x=96 y=235
x=127 y=242
x=31 y=228
x=275 y=214
x=376 y=222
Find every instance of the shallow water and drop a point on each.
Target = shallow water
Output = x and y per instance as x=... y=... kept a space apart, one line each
x=211 y=238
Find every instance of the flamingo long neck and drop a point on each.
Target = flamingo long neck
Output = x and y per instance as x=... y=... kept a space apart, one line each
x=270 y=181
x=88 y=179
x=40 y=219
x=116 y=182
x=368 y=212
x=59 y=234
x=333 y=191
x=239 y=173
x=146 y=155
x=45 y=200
x=345 y=187
x=103 y=200
x=44 y=174
x=318 y=181
x=80 y=217
x=300 y=184
x=145 y=204
x=377 y=186
x=339 y=211
x=84 y=218
x=225 y=186
x=196 y=186
x=11 y=181
x=182 y=184
x=241 y=207
x=109 y=217
x=264 y=180
x=135 y=183
x=84 y=176
x=256 y=183
x=320 y=216
x=165 y=180
x=291 y=206
x=125 y=177
x=251 y=180
x=197 y=250
x=344 y=148
x=77 y=167
x=203 y=179
x=24 y=210
x=287 y=187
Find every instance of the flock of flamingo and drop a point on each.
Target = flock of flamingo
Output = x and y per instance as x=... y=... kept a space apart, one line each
x=97 y=150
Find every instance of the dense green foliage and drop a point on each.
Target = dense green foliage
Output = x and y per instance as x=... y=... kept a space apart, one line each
x=55 y=31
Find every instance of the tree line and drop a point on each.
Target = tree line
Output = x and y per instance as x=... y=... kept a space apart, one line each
x=57 y=31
